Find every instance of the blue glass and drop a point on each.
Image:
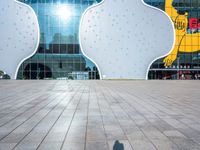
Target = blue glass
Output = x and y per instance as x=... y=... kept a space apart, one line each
x=59 y=51
x=59 y=54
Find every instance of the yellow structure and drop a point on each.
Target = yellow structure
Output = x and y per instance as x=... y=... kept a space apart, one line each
x=184 y=42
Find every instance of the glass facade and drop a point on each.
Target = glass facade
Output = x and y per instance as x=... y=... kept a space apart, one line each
x=59 y=55
x=185 y=58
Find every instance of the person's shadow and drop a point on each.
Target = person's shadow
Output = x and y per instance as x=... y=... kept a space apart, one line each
x=118 y=146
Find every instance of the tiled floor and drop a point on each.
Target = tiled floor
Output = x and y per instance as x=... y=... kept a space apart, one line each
x=93 y=115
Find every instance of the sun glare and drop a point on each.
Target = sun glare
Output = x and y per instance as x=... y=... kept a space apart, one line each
x=64 y=12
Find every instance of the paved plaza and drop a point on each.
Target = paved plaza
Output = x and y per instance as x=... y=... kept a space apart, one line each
x=100 y=115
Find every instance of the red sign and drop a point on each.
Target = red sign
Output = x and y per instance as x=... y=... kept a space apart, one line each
x=194 y=23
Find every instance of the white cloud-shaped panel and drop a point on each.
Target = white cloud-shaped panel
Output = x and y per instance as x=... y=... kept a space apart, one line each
x=124 y=37
x=19 y=35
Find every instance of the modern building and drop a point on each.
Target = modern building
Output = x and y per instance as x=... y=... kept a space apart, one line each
x=59 y=55
x=186 y=64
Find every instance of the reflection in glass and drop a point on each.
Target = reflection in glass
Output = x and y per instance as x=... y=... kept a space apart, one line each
x=58 y=55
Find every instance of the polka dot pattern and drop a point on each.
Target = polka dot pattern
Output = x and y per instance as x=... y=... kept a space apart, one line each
x=19 y=35
x=123 y=37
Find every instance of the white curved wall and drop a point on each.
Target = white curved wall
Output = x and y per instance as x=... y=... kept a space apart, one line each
x=19 y=35
x=124 y=37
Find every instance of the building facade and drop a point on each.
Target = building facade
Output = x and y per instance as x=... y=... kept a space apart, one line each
x=59 y=55
x=184 y=61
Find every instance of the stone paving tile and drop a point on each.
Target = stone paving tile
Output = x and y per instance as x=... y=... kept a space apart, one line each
x=142 y=144
x=7 y=146
x=174 y=133
x=97 y=145
x=73 y=146
x=93 y=115
x=50 y=146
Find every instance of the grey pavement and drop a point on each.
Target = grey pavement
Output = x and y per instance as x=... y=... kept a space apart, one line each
x=94 y=115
